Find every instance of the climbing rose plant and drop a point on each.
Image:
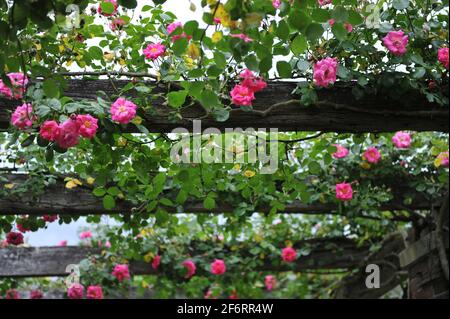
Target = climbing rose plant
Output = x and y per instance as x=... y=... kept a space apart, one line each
x=397 y=48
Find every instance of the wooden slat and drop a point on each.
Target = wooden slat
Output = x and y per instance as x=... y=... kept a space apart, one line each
x=52 y=261
x=372 y=114
x=80 y=201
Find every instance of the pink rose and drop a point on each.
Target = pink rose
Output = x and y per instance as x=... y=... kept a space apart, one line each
x=341 y=151
x=396 y=42
x=289 y=254
x=372 y=155
x=117 y=24
x=443 y=56
x=123 y=111
x=324 y=2
x=442 y=159
x=12 y=294
x=325 y=72
x=86 y=235
x=50 y=131
x=14 y=238
x=19 y=81
x=154 y=51
x=62 y=243
x=344 y=192
x=94 y=292
x=156 y=261
x=348 y=27
x=87 y=125
x=36 y=294
x=249 y=80
x=22 y=229
x=270 y=282
x=114 y=2
x=401 y=140
x=331 y=22
x=68 y=134
x=121 y=272
x=276 y=4
x=218 y=267
x=242 y=95
x=23 y=117
x=75 y=291
x=190 y=267
x=50 y=218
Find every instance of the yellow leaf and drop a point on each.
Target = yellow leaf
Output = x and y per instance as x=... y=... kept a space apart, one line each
x=72 y=183
x=217 y=36
x=249 y=173
x=148 y=258
x=38 y=46
x=61 y=48
x=9 y=186
x=90 y=180
x=193 y=51
x=137 y=120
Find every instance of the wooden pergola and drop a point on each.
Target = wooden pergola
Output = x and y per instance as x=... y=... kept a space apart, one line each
x=415 y=255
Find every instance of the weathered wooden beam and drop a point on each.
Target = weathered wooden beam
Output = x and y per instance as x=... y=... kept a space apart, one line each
x=353 y=286
x=338 y=253
x=339 y=111
x=56 y=199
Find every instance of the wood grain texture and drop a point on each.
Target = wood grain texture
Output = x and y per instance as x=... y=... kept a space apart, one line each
x=80 y=201
x=337 y=253
x=377 y=113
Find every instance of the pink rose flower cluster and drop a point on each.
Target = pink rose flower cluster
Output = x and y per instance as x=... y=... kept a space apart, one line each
x=396 y=42
x=190 y=268
x=347 y=25
x=344 y=192
x=156 y=261
x=154 y=51
x=324 y=2
x=14 y=238
x=117 y=24
x=115 y=4
x=276 y=4
x=86 y=235
x=121 y=272
x=443 y=56
x=171 y=29
x=19 y=82
x=289 y=254
x=401 y=140
x=68 y=133
x=23 y=117
x=76 y=291
x=341 y=151
x=123 y=111
x=372 y=155
x=218 y=267
x=325 y=72
x=443 y=159
x=270 y=282
x=244 y=93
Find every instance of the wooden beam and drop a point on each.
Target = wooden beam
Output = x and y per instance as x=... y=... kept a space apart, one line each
x=80 y=201
x=339 y=253
x=353 y=286
x=339 y=111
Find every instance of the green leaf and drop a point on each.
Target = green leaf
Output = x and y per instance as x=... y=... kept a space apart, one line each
x=299 y=20
x=314 y=31
x=339 y=31
x=177 y=99
x=180 y=46
x=220 y=60
x=419 y=72
x=51 y=89
x=340 y=14
x=28 y=141
x=284 y=69
x=320 y=15
x=400 y=4
x=299 y=45
x=107 y=7
x=109 y=202
x=99 y=191
x=209 y=203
